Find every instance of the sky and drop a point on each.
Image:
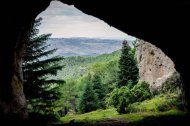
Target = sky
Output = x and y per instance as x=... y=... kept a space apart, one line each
x=65 y=21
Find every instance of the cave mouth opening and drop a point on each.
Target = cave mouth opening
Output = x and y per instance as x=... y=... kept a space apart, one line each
x=11 y=85
x=78 y=38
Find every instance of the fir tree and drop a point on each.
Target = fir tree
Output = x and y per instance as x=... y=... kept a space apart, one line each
x=128 y=67
x=89 y=99
x=99 y=90
x=69 y=96
x=40 y=91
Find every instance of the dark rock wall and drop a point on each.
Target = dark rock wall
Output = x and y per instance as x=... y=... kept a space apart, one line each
x=161 y=23
x=16 y=23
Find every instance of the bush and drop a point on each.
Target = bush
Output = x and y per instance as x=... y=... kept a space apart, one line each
x=122 y=97
x=141 y=92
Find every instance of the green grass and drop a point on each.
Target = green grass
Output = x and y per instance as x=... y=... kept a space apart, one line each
x=111 y=114
x=94 y=116
x=141 y=115
x=156 y=104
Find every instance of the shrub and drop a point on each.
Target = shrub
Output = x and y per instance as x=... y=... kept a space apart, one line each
x=122 y=97
x=140 y=92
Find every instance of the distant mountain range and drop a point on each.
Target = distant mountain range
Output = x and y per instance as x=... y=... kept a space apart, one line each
x=84 y=46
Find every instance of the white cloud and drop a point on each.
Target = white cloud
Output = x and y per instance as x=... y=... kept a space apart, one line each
x=65 y=21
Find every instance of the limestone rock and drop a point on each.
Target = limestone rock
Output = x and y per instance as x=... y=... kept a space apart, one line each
x=156 y=68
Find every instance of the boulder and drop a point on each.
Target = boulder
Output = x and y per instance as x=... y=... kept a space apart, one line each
x=156 y=68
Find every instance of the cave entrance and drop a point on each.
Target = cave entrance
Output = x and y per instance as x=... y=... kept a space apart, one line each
x=83 y=40
x=87 y=44
x=162 y=23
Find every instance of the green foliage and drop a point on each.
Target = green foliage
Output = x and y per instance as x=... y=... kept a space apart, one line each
x=93 y=94
x=141 y=92
x=103 y=70
x=158 y=103
x=128 y=70
x=89 y=98
x=77 y=66
x=99 y=90
x=122 y=97
x=40 y=91
x=133 y=50
x=108 y=72
x=69 y=96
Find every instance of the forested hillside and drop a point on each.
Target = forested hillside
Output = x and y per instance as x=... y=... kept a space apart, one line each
x=77 y=66
x=110 y=83
x=84 y=46
x=77 y=70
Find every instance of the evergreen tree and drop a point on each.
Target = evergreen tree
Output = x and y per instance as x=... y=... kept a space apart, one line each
x=128 y=67
x=40 y=91
x=133 y=50
x=69 y=96
x=99 y=90
x=89 y=99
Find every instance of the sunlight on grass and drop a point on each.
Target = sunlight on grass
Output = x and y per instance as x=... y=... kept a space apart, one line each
x=91 y=116
x=141 y=115
x=162 y=105
x=156 y=104
x=111 y=114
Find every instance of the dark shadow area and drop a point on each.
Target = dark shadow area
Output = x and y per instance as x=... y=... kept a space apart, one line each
x=35 y=119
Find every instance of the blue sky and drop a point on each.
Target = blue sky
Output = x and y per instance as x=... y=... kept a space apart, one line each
x=65 y=21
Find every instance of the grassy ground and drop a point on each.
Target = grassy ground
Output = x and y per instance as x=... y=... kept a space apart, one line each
x=91 y=116
x=111 y=114
x=158 y=103
x=159 y=110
